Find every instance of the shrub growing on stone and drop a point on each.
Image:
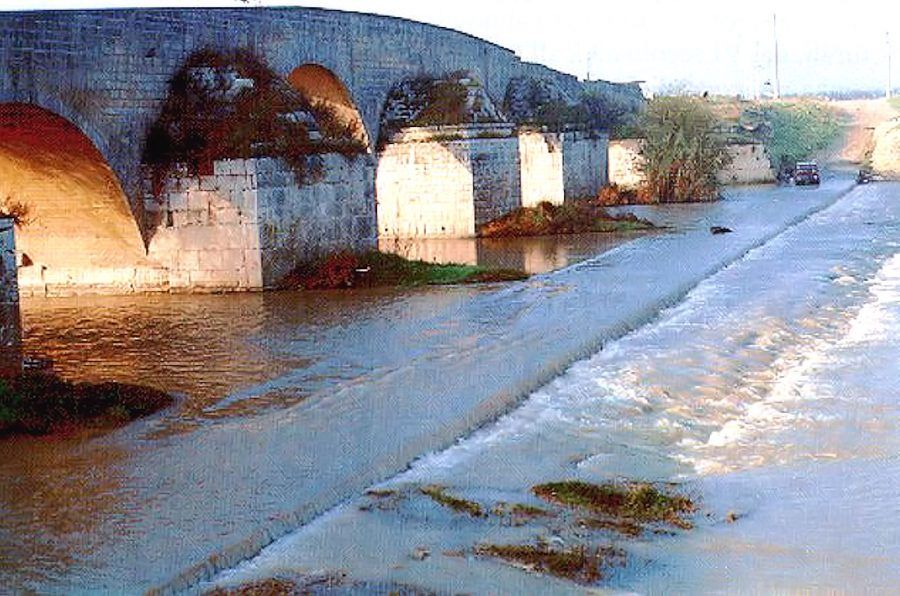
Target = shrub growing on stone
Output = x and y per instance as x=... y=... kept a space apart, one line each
x=232 y=105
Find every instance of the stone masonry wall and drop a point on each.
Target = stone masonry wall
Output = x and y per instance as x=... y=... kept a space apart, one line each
x=585 y=166
x=541 y=162
x=749 y=164
x=208 y=229
x=425 y=190
x=335 y=211
x=496 y=177
x=625 y=163
x=246 y=225
x=108 y=71
x=442 y=181
x=10 y=323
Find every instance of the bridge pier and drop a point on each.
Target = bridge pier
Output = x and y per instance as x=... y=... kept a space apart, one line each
x=10 y=319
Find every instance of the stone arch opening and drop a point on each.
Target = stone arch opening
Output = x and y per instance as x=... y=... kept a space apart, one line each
x=78 y=219
x=336 y=113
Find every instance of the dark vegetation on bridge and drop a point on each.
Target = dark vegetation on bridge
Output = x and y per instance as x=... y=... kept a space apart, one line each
x=459 y=98
x=233 y=105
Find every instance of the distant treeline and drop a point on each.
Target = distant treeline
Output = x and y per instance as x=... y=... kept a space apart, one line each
x=856 y=94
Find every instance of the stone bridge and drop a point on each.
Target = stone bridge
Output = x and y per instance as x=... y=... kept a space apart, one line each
x=79 y=91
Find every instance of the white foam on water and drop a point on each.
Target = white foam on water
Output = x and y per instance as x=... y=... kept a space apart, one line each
x=802 y=376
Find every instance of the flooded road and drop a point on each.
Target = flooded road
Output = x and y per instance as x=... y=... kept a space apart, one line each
x=295 y=403
x=769 y=394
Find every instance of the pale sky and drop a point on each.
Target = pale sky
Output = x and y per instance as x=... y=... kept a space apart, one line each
x=714 y=45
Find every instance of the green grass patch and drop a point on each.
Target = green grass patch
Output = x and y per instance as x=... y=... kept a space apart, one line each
x=581 y=564
x=528 y=511
x=377 y=269
x=439 y=495
x=575 y=217
x=895 y=103
x=633 y=501
x=794 y=131
x=42 y=404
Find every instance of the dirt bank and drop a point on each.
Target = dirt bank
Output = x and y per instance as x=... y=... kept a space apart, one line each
x=869 y=134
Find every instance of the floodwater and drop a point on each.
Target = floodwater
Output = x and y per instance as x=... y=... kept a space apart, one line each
x=295 y=403
x=540 y=254
x=770 y=393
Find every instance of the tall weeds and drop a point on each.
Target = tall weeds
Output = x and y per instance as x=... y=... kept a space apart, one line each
x=683 y=150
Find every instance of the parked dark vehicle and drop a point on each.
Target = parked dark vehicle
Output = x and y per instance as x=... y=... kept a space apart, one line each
x=864 y=177
x=806 y=173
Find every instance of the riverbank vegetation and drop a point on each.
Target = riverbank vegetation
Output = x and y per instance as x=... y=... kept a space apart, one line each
x=574 y=217
x=39 y=404
x=371 y=269
x=683 y=150
x=796 y=131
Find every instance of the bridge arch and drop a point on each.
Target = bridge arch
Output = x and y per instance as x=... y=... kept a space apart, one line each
x=335 y=109
x=79 y=219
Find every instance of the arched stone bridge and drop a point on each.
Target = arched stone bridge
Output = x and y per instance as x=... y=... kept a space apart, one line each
x=108 y=72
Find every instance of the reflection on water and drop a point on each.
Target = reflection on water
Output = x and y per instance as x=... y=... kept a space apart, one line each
x=535 y=254
x=208 y=348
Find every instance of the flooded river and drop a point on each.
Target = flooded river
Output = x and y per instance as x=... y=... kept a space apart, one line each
x=769 y=394
x=755 y=367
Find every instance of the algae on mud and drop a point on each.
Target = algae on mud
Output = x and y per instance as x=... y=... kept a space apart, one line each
x=584 y=565
x=439 y=495
x=639 y=502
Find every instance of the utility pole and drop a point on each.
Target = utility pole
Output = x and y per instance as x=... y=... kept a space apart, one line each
x=890 y=80
x=777 y=57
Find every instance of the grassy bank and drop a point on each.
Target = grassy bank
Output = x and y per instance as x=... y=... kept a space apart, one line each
x=43 y=404
x=373 y=269
x=791 y=130
x=575 y=217
x=799 y=130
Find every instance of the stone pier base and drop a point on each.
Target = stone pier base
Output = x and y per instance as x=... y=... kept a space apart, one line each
x=10 y=320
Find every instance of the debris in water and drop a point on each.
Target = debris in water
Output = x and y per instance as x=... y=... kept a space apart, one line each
x=636 y=502
x=439 y=495
x=579 y=564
